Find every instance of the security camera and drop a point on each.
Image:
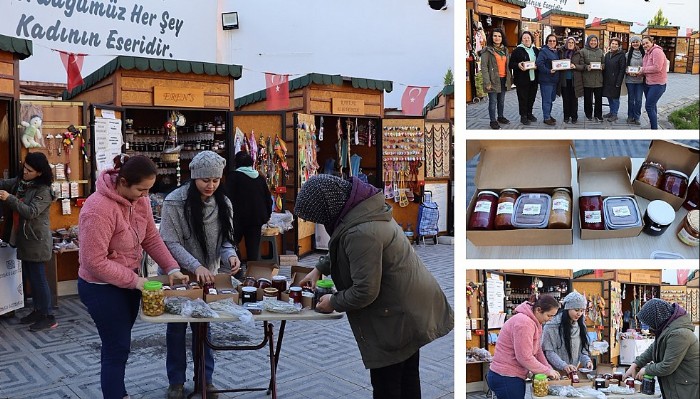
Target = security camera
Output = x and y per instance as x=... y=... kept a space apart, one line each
x=438 y=4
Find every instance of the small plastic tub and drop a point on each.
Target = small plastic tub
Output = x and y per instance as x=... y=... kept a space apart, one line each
x=532 y=211
x=621 y=213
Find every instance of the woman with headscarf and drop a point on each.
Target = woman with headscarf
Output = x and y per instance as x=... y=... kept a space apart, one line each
x=592 y=79
x=496 y=74
x=674 y=357
x=655 y=77
x=393 y=303
x=518 y=349
x=548 y=77
x=634 y=81
x=614 y=65
x=565 y=339
x=571 y=83
x=525 y=80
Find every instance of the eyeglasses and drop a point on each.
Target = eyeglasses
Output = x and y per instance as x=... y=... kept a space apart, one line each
x=551 y=41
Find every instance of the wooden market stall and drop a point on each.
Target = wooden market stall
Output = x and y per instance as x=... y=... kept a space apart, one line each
x=611 y=29
x=687 y=51
x=533 y=26
x=323 y=109
x=693 y=299
x=564 y=24
x=665 y=37
x=476 y=337
x=694 y=53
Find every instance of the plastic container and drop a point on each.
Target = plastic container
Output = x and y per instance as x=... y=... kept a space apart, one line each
x=540 y=386
x=692 y=199
x=648 y=385
x=560 y=215
x=323 y=287
x=651 y=173
x=666 y=255
x=689 y=231
x=153 y=299
x=484 y=212
x=249 y=295
x=532 y=211
x=621 y=213
x=591 y=209
x=675 y=182
x=658 y=216
x=504 y=209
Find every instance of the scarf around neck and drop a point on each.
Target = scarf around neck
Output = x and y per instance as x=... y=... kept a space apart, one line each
x=531 y=53
x=248 y=171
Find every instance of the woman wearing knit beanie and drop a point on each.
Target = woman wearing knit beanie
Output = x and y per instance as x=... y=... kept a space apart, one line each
x=564 y=338
x=674 y=357
x=393 y=303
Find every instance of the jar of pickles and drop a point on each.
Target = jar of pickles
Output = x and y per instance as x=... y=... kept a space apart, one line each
x=540 y=386
x=675 y=182
x=591 y=209
x=504 y=209
x=692 y=199
x=153 y=298
x=651 y=173
x=560 y=215
x=484 y=212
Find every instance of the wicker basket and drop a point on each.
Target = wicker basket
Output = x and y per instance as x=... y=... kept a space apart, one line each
x=171 y=152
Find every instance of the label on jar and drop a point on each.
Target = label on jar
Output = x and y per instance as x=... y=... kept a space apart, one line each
x=532 y=209
x=504 y=207
x=687 y=239
x=621 y=211
x=593 y=217
x=483 y=206
x=560 y=204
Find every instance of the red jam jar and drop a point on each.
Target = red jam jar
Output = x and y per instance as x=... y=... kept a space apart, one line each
x=693 y=198
x=504 y=209
x=484 y=212
x=651 y=173
x=295 y=295
x=675 y=182
x=591 y=208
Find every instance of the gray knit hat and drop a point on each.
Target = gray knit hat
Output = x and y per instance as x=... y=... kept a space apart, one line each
x=207 y=165
x=575 y=301
x=321 y=199
x=635 y=38
x=655 y=312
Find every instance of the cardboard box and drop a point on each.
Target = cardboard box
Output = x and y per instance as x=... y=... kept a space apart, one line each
x=289 y=260
x=530 y=166
x=611 y=176
x=673 y=156
x=222 y=281
x=258 y=270
x=306 y=302
x=298 y=273
x=188 y=293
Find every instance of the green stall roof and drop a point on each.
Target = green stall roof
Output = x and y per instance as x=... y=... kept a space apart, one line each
x=565 y=13
x=446 y=91
x=22 y=47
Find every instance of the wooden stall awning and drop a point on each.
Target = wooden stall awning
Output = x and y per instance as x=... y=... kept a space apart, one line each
x=564 y=13
x=21 y=47
x=446 y=92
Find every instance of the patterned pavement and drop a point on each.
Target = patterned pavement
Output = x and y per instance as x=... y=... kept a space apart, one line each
x=319 y=359
x=682 y=89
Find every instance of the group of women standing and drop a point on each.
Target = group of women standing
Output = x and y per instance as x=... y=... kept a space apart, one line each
x=593 y=74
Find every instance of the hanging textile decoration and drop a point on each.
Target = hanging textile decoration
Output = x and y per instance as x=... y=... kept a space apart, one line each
x=412 y=100
x=277 y=91
x=73 y=64
x=253 y=146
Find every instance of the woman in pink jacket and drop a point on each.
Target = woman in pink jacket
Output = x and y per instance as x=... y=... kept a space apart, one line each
x=655 y=77
x=116 y=226
x=518 y=349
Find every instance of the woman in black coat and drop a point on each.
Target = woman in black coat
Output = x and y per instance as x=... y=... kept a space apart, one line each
x=525 y=80
x=614 y=66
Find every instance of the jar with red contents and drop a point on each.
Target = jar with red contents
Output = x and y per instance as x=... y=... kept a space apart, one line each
x=675 y=182
x=504 y=209
x=692 y=200
x=651 y=173
x=484 y=212
x=591 y=208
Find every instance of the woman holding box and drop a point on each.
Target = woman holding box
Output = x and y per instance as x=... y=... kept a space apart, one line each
x=655 y=77
x=548 y=77
x=571 y=83
x=116 y=226
x=525 y=79
x=614 y=65
x=197 y=228
x=634 y=81
x=496 y=74
x=592 y=64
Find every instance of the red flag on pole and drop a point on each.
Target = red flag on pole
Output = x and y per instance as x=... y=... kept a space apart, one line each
x=688 y=32
x=277 y=92
x=598 y=273
x=412 y=100
x=538 y=10
x=596 y=22
x=73 y=64
x=682 y=276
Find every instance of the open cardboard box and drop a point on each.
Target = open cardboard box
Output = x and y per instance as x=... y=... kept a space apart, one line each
x=530 y=166
x=222 y=281
x=258 y=270
x=188 y=293
x=673 y=156
x=611 y=176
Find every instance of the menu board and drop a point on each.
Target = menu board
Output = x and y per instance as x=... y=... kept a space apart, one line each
x=108 y=142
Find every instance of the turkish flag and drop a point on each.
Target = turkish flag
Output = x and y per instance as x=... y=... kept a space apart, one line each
x=596 y=22
x=598 y=273
x=688 y=32
x=682 y=276
x=538 y=10
x=73 y=64
x=277 y=92
x=412 y=100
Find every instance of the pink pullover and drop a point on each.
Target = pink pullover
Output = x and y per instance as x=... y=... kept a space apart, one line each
x=113 y=234
x=654 y=66
x=518 y=348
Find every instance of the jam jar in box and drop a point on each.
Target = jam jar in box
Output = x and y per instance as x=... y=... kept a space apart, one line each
x=560 y=215
x=504 y=209
x=692 y=200
x=658 y=216
x=689 y=231
x=532 y=211
x=621 y=213
x=651 y=173
x=591 y=209
x=675 y=182
x=484 y=212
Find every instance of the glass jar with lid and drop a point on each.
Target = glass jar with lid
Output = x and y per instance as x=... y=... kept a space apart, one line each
x=591 y=210
x=689 y=232
x=540 y=386
x=504 y=209
x=651 y=173
x=675 y=182
x=648 y=385
x=484 y=212
x=692 y=199
x=323 y=287
x=560 y=215
x=153 y=299
x=658 y=216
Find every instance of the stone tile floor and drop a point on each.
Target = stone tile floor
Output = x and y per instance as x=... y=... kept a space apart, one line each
x=319 y=359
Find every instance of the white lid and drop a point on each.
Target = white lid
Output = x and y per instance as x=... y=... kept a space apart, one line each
x=295 y=288
x=661 y=212
x=278 y=277
x=487 y=192
x=677 y=173
x=591 y=194
x=249 y=289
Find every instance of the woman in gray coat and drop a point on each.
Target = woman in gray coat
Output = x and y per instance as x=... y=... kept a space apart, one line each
x=565 y=339
x=393 y=303
x=497 y=76
x=27 y=228
x=592 y=79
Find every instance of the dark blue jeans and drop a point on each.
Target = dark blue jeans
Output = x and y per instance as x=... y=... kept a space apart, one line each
x=506 y=387
x=176 y=359
x=634 y=100
x=114 y=311
x=497 y=102
x=41 y=294
x=549 y=94
x=653 y=93
x=614 y=105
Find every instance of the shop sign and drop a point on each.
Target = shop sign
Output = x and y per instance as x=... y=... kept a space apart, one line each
x=347 y=106
x=177 y=97
x=640 y=278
